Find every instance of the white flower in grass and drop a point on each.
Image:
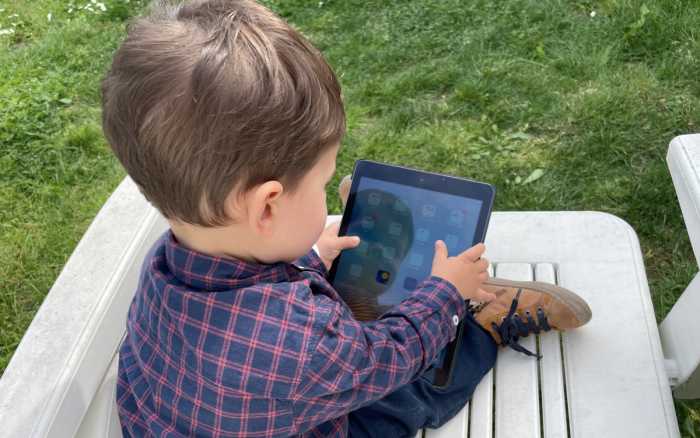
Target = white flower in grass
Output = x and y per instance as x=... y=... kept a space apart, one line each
x=49 y=16
x=6 y=31
x=592 y=14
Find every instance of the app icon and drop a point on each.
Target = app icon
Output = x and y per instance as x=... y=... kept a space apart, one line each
x=451 y=241
x=383 y=277
x=456 y=217
x=375 y=250
x=410 y=283
x=362 y=248
x=400 y=206
x=422 y=234
x=395 y=229
x=428 y=210
x=389 y=252
x=367 y=222
x=374 y=199
x=355 y=270
x=416 y=260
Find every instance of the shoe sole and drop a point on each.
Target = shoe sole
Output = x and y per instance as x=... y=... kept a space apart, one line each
x=577 y=305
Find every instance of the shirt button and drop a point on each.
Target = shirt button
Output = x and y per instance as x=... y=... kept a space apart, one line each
x=455 y=319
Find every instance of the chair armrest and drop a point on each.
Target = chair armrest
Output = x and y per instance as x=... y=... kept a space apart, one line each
x=684 y=163
x=680 y=327
x=62 y=358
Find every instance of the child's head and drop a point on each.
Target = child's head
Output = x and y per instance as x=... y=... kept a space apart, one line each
x=223 y=114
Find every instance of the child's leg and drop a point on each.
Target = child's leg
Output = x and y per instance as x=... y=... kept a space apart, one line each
x=418 y=404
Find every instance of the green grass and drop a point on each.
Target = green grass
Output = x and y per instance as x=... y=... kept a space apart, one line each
x=55 y=169
x=586 y=95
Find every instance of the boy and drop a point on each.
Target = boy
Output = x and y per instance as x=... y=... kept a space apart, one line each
x=229 y=122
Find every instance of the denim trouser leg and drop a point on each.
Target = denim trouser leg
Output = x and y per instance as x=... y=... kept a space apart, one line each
x=418 y=404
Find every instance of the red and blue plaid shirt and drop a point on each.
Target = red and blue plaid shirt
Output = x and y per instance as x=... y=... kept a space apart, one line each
x=219 y=347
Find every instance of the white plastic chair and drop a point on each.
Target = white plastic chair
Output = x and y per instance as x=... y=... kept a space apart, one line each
x=611 y=378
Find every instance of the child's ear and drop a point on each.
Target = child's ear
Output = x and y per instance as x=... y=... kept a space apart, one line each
x=262 y=204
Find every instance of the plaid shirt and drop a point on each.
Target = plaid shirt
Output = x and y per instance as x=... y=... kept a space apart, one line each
x=219 y=347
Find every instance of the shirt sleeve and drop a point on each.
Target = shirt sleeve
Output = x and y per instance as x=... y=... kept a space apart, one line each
x=313 y=261
x=353 y=363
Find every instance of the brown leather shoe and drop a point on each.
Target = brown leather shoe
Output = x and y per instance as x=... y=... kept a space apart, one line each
x=524 y=307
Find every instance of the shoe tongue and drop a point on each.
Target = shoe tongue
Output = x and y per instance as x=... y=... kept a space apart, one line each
x=499 y=308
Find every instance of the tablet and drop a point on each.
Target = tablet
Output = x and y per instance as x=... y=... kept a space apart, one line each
x=399 y=213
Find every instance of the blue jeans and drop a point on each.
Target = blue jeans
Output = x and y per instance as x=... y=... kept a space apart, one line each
x=419 y=404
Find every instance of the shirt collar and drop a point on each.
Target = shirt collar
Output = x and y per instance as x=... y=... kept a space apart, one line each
x=213 y=273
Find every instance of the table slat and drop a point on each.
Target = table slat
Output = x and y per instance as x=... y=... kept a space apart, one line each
x=457 y=427
x=517 y=400
x=481 y=419
x=551 y=373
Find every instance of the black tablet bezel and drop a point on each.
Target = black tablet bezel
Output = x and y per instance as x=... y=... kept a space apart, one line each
x=462 y=187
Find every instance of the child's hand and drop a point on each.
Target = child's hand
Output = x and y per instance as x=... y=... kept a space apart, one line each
x=344 y=189
x=329 y=244
x=467 y=271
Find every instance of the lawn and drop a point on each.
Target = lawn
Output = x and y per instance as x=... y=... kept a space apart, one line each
x=562 y=105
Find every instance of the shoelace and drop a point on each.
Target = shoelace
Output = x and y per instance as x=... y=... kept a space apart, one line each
x=512 y=327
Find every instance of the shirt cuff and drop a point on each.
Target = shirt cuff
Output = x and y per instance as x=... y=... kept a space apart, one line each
x=456 y=307
x=313 y=261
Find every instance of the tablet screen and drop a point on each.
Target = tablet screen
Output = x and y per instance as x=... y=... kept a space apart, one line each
x=398 y=226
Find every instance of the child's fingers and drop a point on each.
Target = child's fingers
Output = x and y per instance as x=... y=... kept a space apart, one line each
x=473 y=253
x=333 y=228
x=482 y=264
x=440 y=251
x=346 y=242
x=344 y=189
